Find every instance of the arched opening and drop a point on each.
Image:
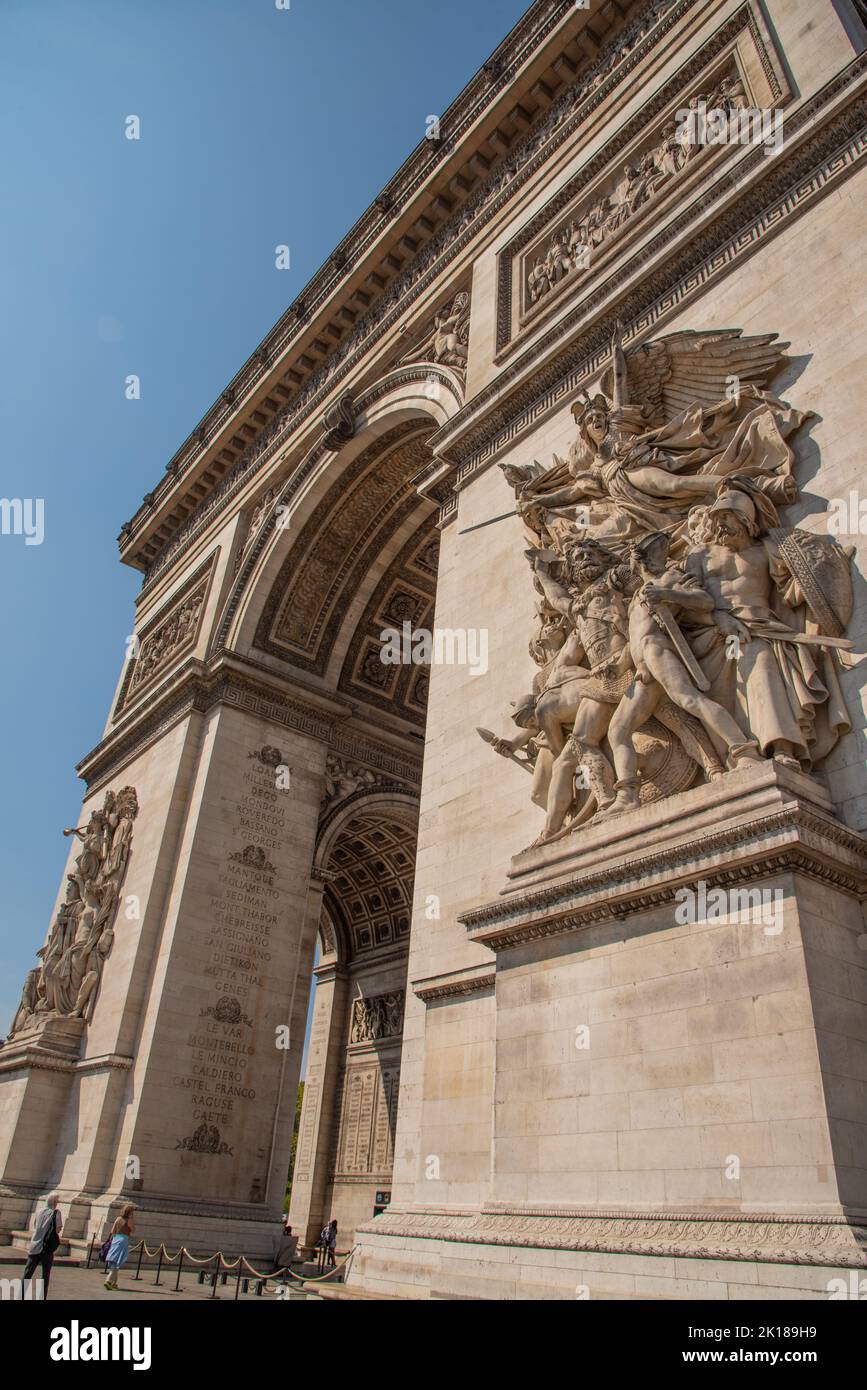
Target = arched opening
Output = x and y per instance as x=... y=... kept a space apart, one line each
x=355 y=555
x=345 y=1149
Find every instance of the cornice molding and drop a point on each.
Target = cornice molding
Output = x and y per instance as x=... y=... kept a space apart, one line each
x=197 y=690
x=247 y=467
x=760 y=213
x=456 y=984
x=36 y=1058
x=718 y=48
x=480 y=95
x=455 y=234
x=792 y=839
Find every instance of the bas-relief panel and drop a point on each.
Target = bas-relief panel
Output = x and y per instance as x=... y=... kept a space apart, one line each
x=652 y=161
x=368 y=1112
x=65 y=985
x=367 y=1094
x=172 y=633
x=678 y=616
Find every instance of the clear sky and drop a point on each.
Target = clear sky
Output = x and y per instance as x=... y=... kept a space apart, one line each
x=259 y=127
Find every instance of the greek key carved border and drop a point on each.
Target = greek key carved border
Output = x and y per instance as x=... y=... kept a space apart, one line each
x=199 y=692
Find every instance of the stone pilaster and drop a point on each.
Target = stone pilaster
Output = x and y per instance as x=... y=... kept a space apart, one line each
x=317 y=1131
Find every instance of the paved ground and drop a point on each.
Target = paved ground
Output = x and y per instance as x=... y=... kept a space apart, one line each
x=72 y=1283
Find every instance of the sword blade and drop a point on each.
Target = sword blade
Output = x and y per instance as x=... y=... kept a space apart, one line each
x=479 y=524
x=666 y=619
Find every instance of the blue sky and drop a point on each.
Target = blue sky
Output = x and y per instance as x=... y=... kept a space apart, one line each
x=259 y=127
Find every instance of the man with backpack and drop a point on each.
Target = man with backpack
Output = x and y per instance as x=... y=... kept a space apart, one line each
x=46 y=1238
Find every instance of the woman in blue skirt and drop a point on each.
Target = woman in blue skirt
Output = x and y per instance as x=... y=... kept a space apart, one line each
x=119 y=1247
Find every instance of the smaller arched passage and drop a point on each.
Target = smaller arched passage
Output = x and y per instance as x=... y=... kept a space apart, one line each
x=365 y=857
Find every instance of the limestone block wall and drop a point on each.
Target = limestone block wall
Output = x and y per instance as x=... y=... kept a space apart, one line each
x=443 y=1269
x=474 y=812
x=654 y=1065
x=804 y=284
x=233 y=966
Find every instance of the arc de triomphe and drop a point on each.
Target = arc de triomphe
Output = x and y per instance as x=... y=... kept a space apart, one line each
x=591 y=993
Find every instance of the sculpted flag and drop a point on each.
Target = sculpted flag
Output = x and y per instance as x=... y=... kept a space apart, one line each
x=681 y=629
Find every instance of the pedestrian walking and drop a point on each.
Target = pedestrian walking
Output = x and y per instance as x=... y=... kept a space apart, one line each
x=118 y=1245
x=329 y=1244
x=285 y=1248
x=46 y=1238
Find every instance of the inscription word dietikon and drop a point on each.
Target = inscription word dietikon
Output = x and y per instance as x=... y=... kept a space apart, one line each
x=682 y=629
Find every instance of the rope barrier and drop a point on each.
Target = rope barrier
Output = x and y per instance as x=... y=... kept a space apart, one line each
x=218 y=1259
x=323 y=1278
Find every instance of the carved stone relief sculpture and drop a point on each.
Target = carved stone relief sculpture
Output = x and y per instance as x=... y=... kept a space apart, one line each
x=65 y=984
x=165 y=642
x=343 y=777
x=641 y=179
x=446 y=339
x=339 y=421
x=378 y=1017
x=258 y=517
x=682 y=629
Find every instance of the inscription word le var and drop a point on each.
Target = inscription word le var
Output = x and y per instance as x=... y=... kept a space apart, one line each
x=235 y=956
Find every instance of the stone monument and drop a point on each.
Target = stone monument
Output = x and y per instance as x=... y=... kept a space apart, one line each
x=500 y=638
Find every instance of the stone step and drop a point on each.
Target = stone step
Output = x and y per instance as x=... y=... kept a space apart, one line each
x=340 y=1293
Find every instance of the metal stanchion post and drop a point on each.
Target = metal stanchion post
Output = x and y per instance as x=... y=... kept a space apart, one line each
x=215 y=1276
x=159 y=1265
x=138 y=1266
x=180 y=1267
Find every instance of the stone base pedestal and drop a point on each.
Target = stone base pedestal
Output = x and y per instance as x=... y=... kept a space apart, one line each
x=680 y=1065
x=203 y=1229
x=37 y=1072
x=40 y=1079
x=47 y=1034
x=546 y=1255
x=38 y=1087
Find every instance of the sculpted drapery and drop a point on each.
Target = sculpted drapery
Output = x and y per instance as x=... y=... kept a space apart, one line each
x=66 y=983
x=682 y=629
